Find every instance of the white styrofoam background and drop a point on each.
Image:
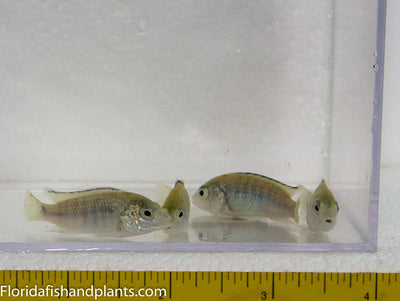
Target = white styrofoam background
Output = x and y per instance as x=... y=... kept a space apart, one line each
x=386 y=259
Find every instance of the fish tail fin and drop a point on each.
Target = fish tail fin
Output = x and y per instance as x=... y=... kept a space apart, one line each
x=302 y=196
x=33 y=208
x=162 y=192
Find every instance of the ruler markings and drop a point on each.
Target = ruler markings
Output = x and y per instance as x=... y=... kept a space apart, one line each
x=350 y=280
x=68 y=280
x=298 y=279
x=258 y=285
x=222 y=282
x=170 y=285
x=273 y=285
x=119 y=283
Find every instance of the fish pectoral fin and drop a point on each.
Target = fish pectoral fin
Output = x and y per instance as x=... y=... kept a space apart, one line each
x=59 y=196
x=162 y=191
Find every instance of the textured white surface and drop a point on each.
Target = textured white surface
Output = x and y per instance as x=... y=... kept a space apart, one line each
x=154 y=90
x=386 y=259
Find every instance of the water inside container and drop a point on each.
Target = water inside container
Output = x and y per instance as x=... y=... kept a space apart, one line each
x=132 y=95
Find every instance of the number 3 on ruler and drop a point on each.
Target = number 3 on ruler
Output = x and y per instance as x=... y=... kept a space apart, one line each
x=263 y=295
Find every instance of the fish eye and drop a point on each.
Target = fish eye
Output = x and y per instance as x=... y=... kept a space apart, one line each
x=203 y=192
x=316 y=207
x=181 y=214
x=147 y=213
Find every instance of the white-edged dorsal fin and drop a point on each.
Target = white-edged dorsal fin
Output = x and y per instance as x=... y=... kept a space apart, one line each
x=291 y=190
x=162 y=191
x=59 y=196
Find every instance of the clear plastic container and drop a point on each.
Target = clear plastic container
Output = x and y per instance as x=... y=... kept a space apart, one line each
x=130 y=95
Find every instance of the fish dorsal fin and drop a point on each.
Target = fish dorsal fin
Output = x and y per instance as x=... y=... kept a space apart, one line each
x=291 y=190
x=162 y=192
x=59 y=196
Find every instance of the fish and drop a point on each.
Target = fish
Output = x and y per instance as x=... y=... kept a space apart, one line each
x=322 y=209
x=176 y=204
x=100 y=211
x=248 y=194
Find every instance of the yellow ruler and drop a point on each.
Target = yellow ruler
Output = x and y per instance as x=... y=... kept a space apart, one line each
x=117 y=285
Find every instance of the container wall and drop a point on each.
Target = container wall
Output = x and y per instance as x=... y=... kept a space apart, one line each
x=131 y=94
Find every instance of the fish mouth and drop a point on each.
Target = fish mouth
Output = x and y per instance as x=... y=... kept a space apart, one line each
x=329 y=221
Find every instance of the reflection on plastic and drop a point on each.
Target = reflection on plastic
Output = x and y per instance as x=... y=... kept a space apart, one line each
x=227 y=229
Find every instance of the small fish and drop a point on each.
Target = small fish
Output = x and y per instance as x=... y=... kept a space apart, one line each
x=247 y=194
x=176 y=204
x=103 y=211
x=322 y=209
